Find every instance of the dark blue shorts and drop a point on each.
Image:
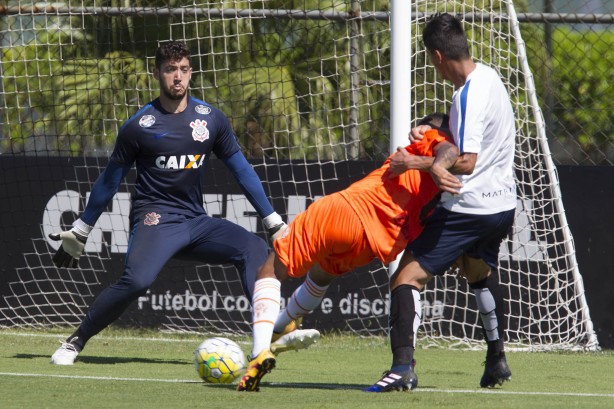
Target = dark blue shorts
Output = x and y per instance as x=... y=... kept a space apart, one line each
x=157 y=237
x=448 y=235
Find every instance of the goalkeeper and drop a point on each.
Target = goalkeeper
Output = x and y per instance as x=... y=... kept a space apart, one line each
x=170 y=140
x=373 y=218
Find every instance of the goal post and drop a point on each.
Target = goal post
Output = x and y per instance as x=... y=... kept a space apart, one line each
x=317 y=98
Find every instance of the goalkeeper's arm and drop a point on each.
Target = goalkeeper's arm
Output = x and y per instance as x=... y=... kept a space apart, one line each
x=73 y=240
x=252 y=187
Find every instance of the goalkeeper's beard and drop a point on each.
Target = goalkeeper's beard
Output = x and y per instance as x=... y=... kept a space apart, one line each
x=175 y=95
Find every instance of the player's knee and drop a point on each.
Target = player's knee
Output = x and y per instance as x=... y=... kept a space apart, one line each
x=411 y=274
x=135 y=286
x=268 y=269
x=319 y=276
x=255 y=250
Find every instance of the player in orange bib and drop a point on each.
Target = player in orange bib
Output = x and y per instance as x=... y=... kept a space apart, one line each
x=373 y=218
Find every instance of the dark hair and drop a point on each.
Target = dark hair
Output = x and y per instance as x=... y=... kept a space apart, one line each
x=436 y=120
x=444 y=33
x=171 y=51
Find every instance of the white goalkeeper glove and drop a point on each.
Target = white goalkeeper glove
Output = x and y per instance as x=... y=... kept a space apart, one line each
x=275 y=225
x=73 y=243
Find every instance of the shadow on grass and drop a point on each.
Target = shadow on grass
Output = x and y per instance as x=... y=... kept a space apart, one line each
x=293 y=385
x=107 y=360
x=300 y=385
x=328 y=386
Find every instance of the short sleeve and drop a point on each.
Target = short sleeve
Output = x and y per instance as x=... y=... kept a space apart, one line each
x=425 y=146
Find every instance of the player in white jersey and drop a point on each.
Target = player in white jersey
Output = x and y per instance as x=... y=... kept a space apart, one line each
x=482 y=123
x=465 y=229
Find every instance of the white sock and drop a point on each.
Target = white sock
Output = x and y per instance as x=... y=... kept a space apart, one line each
x=486 y=306
x=266 y=304
x=418 y=310
x=304 y=300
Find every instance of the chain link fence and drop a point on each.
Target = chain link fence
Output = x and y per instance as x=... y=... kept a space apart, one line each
x=570 y=47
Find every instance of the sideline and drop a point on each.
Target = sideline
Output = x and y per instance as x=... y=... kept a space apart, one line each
x=283 y=384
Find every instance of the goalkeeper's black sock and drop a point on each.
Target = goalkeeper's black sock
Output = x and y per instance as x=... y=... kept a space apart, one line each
x=77 y=340
x=404 y=313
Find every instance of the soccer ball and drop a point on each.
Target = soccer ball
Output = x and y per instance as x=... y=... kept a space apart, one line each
x=219 y=360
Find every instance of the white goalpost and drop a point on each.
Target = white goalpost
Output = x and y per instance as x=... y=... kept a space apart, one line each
x=317 y=98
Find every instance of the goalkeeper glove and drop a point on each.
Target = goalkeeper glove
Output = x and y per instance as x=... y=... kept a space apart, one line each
x=73 y=243
x=275 y=225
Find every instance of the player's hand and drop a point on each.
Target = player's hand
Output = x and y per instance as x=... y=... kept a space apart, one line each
x=417 y=134
x=73 y=243
x=399 y=162
x=277 y=231
x=275 y=225
x=445 y=180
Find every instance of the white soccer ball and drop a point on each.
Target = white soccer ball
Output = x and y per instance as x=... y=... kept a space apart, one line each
x=219 y=360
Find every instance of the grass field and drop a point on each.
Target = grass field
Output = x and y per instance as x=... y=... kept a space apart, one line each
x=121 y=369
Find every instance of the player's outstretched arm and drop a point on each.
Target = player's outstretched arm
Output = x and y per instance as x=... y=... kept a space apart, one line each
x=73 y=240
x=252 y=187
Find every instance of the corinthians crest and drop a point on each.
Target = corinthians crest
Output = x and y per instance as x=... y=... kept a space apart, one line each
x=200 y=132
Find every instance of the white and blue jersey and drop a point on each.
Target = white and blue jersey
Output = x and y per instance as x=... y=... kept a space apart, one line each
x=482 y=122
x=475 y=221
x=170 y=151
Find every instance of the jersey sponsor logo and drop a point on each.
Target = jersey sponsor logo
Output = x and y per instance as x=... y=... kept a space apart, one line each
x=498 y=193
x=147 y=120
x=200 y=132
x=180 y=161
x=151 y=219
x=201 y=109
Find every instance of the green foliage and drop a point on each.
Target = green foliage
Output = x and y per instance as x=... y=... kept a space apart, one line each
x=287 y=88
x=28 y=87
x=584 y=92
x=573 y=84
x=74 y=104
x=94 y=96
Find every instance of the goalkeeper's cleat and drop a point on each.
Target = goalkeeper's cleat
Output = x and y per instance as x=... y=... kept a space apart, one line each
x=292 y=326
x=295 y=340
x=391 y=381
x=496 y=371
x=257 y=368
x=65 y=354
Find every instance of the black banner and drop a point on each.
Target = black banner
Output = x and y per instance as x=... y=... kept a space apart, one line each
x=40 y=194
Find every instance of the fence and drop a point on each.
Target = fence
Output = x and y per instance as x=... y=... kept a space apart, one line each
x=569 y=54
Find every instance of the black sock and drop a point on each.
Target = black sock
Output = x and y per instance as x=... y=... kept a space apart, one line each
x=401 y=322
x=77 y=340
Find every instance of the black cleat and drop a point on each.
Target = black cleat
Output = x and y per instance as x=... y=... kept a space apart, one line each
x=496 y=371
x=391 y=381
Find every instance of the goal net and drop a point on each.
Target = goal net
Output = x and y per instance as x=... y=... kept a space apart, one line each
x=306 y=85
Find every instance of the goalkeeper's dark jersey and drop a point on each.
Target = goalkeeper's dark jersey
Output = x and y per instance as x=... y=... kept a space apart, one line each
x=170 y=151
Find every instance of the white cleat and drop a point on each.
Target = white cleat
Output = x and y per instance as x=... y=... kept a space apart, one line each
x=65 y=355
x=295 y=340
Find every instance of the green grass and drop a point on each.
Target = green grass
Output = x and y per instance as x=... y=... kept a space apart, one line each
x=128 y=369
